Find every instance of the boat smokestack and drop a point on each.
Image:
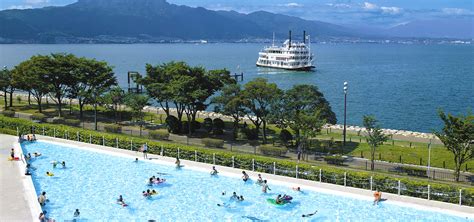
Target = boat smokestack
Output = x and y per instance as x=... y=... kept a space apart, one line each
x=289 y=42
x=304 y=36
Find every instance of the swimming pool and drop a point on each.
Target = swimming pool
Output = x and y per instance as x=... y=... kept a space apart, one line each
x=92 y=182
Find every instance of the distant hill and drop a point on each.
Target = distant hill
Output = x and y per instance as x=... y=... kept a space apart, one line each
x=439 y=28
x=150 y=20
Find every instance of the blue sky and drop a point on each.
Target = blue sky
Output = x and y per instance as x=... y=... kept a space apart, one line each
x=378 y=13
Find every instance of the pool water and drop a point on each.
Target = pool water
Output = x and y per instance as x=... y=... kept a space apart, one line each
x=92 y=181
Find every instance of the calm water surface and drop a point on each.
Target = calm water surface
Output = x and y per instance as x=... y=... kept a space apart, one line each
x=402 y=85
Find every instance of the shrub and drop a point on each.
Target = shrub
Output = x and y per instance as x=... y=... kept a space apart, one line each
x=207 y=125
x=159 y=134
x=38 y=117
x=268 y=149
x=72 y=122
x=58 y=120
x=173 y=124
x=336 y=159
x=412 y=171
x=18 y=99
x=210 y=142
x=8 y=113
x=113 y=128
x=218 y=126
x=248 y=134
x=285 y=137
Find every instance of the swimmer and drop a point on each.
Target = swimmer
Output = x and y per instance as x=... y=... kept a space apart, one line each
x=309 y=215
x=278 y=200
x=42 y=217
x=77 y=213
x=121 y=201
x=245 y=176
x=177 y=162
x=234 y=196
x=42 y=198
x=49 y=174
x=54 y=162
x=150 y=181
x=27 y=170
x=265 y=186
x=297 y=189
x=28 y=157
x=153 y=192
x=144 y=193
x=214 y=171
x=136 y=160
x=259 y=180
x=241 y=198
x=377 y=197
x=63 y=164
x=36 y=154
x=223 y=193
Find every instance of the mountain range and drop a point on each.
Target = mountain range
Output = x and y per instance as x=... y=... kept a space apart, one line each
x=158 y=20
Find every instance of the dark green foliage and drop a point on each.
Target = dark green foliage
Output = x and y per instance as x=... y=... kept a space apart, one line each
x=207 y=125
x=375 y=136
x=210 y=142
x=159 y=134
x=336 y=160
x=72 y=122
x=58 y=120
x=285 y=137
x=218 y=126
x=248 y=134
x=112 y=128
x=440 y=192
x=268 y=149
x=39 y=117
x=8 y=113
x=173 y=124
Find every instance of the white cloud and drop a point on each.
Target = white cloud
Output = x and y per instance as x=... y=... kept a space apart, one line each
x=35 y=2
x=456 y=11
x=391 y=10
x=20 y=7
x=370 y=6
x=339 y=5
x=293 y=5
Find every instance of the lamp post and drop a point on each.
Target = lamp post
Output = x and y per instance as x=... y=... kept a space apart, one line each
x=429 y=159
x=345 y=109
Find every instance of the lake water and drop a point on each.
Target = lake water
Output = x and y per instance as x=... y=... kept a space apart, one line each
x=402 y=85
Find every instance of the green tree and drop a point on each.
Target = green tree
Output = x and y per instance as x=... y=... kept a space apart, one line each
x=300 y=104
x=457 y=136
x=30 y=76
x=157 y=83
x=62 y=71
x=5 y=84
x=375 y=137
x=137 y=102
x=91 y=77
x=113 y=99
x=231 y=103
x=259 y=96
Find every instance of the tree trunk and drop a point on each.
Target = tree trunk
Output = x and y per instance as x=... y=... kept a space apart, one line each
x=59 y=106
x=70 y=106
x=29 y=98
x=95 y=117
x=264 y=132
x=81 y=108
x=236 y=126
x=372 y=159
x=5 y=97
x=11 y=98
x=457 y=167
x=40 y=109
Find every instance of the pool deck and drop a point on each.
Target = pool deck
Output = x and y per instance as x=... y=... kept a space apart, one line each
x=13 y=207
x=17 y=197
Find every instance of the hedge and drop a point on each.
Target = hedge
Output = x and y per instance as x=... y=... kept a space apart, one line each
x=271 y=150
x=336 y=160
x=72 y=122
x=38 y=117
x=8 y=113
x=210 y=142
x=161 y=134
x=409 y=186
x=112 y=128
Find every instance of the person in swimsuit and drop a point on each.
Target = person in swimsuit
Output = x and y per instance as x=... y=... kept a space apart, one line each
x=309 y=215
x=63 y=164
x=178 y=163
x=234 y=196
x=265 y=186
x=12 y=153
x=278 y=200
x=214 y=171
x=297 y=189
x=377 y=197
x=42 y=198
x=77 y=213
x=245 y=176
x=121 y=201
x=259 y=180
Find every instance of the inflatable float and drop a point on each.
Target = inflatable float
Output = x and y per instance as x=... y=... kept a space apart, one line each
x=273 y=202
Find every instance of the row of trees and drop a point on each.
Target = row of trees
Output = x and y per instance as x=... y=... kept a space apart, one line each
x=302 y=108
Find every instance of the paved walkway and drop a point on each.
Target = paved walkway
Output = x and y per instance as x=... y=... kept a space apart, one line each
x=17 y=198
